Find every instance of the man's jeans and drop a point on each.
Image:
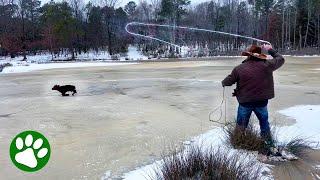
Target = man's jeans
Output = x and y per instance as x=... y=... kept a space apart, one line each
x=244 y=114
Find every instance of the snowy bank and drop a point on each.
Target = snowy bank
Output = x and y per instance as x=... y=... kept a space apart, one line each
x=307 y=125
x=28 y=67
x=213 y=139
x=132 y=54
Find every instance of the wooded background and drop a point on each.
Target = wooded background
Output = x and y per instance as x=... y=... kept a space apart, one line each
x=292 y=26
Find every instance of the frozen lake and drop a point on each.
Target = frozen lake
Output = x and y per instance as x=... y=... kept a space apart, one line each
x=125 y=116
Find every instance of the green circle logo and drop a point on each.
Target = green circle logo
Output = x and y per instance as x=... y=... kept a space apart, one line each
x=30 y=151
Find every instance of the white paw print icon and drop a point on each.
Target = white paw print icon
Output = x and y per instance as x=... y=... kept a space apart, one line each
x=27 y=157
x=30 y=151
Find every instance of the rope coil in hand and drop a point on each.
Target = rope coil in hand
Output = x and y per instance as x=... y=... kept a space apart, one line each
x=220 y=111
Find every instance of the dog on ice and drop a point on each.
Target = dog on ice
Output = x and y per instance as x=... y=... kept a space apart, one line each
x=64 y=89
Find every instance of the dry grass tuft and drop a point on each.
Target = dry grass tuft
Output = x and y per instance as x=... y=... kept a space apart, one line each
x=213 y=164
x=248 y=139
x=298 y=146
x=195 y=163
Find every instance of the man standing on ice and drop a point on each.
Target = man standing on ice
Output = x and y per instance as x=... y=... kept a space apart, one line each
x=255 y=86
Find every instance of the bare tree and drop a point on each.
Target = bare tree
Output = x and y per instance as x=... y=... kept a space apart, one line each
x=308 y=24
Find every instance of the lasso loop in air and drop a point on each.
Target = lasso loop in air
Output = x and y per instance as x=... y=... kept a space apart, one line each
x=219 y=108
x=182 y=27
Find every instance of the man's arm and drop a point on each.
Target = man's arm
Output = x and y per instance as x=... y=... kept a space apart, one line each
x=277 y=60
x=230 y=79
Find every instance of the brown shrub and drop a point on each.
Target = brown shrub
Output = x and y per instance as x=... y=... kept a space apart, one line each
x=247 y=139
x=212 y=164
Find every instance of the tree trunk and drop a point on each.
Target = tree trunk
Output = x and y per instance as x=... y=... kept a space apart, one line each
x=307 y=31
x=295 y=29
x=319 y=32
x=300 y=37
x=73 y=56
x=289 y=28
x=23 y=38
x=282 y=30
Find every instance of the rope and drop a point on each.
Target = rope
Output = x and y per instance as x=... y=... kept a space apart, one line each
x=182 y=27
x=223 y=104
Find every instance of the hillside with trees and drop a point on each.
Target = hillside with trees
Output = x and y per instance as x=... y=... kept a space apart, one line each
x=73 y=27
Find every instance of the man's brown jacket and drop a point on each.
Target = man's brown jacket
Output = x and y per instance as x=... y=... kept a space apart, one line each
x=254 y=78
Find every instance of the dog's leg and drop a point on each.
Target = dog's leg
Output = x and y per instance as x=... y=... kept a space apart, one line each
x=74 y=91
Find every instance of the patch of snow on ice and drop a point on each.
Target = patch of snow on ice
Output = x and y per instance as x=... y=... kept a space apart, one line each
x=27 y=67
x=107 y=175
x=307 y=123
x=145 y=172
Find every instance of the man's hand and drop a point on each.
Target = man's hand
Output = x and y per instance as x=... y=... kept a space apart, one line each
x=266 y=47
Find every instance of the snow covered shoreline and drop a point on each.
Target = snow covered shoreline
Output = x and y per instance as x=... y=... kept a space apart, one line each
x=91 y=59
x=46 y=61
x=28 y=67
x=46 y=57
x=306 y=125
x=211 y=140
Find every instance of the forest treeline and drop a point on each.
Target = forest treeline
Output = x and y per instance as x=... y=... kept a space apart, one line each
x=74 y=27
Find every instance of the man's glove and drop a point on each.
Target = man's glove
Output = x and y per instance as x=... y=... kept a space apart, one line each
x=266 y=47
x=234 y=93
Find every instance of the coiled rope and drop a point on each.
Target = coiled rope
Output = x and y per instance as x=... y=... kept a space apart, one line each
x=220 y=111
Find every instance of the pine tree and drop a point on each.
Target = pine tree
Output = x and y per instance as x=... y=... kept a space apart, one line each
x=173 y=10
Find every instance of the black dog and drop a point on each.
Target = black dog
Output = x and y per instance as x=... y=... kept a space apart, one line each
x=64 y=89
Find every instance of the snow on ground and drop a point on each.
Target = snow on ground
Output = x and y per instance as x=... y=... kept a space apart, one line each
x=39 y=58
x=42 y=61
x=134 y=54
x=92 y=55
x=27 y=67
x=307 y=123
